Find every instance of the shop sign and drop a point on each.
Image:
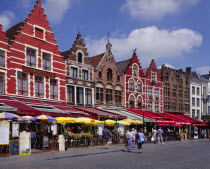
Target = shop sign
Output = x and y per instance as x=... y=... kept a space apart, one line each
x=38 y=72
x=4 y=132
x=7 y=108
x=23 y=112
x=25 y=143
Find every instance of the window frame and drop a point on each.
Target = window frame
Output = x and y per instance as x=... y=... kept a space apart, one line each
x=72 y=72
x=3 y=56
x=70 y=94
x=46 y=61
x=29 y=61
x=23 y=81
x=54 y=92
x=40 y=92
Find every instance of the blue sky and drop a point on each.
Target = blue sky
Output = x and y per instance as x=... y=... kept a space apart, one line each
x=173 y=32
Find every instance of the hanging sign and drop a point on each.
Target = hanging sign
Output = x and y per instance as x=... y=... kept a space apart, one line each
x=15 y=129
x=4 y=132
x=25 y=143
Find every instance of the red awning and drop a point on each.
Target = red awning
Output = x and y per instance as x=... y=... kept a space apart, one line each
x=176 y=119
x=156 y=116
x=99 y=113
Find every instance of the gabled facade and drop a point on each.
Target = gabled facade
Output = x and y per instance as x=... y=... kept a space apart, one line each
x=35 y=67
x=133 y=82
x=79 y=75
x=154 y=88
x=109 y=89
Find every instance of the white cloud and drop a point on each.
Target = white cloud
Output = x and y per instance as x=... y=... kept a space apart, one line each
x=155 y=9
x=203 y=70
x=25 y=3
x=55 y=9
x=167 y=65
x=6 y=18
x=151 y=43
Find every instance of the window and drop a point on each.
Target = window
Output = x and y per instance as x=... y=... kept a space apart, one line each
x=80 y=95
x=99 y=94
x=193 y=90
x=99 y=75
x=149 y=105
x=153 y=78
x=85 y=74
x=150 y=93
x=186 y=81
x=73 y=72
x=180 y=93
x=31 y=57
x=135 y=70
x=198 y=113
x=156 y=107
x=79 y=57
x=88 y=96
x=131 y=85
x=139 y=102
x=166 y=106
x=174 y=91
x=109 y=74
x=46 y=61
x=131 y=102
x=197 y=90
x=117 y=97
x=177 y=79
x=1 y=83
x=166 y=77
x=70 y=95
x=53 y=89
x=157 y=94
x=193 y=113
x=204 y=91
x=118 y=78
x=39 y=86
x=139 y=87
x=167 y=91
x=198 y=102
x=22 y=83
x=39 y=33
x=2 y=58
x=193 y=101
x=108 y=95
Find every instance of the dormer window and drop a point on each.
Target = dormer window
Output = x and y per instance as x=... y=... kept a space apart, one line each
x=79 y=57
x=135 y=70
x=153 y=78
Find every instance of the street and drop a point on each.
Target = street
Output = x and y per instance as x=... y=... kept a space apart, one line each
x=171 y=155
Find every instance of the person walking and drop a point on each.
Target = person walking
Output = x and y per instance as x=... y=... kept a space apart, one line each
x=134 y=137
x=160 y=135
x=106 y=136
x=154 y=133
x=129 y=139
x=141 y=139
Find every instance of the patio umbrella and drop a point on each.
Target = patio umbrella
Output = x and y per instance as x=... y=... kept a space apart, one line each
x=65 y=120
x=109 y=122
x=43 y=118
x=26 y=119
x=131 y=121
x=139 y=122
x=123 y=122
x=84 y=120
x=9 y=116
x=94 y=123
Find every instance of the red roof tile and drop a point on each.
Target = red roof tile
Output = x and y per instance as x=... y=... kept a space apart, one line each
x=96 y=59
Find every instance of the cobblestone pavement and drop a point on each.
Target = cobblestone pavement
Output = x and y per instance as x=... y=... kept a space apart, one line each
x=171 y=155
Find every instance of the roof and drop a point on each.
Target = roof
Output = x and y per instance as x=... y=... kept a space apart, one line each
x=207 y=76
x=13 y=30
x=196 y=75
x=145 y=71
x=122 y=66
x=96 y=59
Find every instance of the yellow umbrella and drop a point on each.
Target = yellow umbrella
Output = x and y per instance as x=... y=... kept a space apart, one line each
x=109 y=122
x=85 y=120
x=123 y=122
x=139 y=122
x=65 y=120
x=131 y=121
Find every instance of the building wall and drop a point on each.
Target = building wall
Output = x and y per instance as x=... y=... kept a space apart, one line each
x=27 y=36
x=176 y=84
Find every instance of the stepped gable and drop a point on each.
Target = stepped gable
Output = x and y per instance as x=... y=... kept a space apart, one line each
x=2 y=35
x=95 y=60
x=77 y=45
x=123 y=65
x=36 y=18
x=152 y=68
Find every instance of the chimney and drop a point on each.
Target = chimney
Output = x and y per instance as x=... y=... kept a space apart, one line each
x=188 y=69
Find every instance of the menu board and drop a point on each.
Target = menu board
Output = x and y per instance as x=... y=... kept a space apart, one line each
x=61 y=143
x=15 y=129
x=54 y=129
x=25 y=143
x=121 y=129
x=14 y=147
x=4 y=132
x=100 y=129
x=45 y=141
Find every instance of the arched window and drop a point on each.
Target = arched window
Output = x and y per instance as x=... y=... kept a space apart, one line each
x=109 y=74
x=166 y=77
x=99 y=75
x=139 y=102
x=118 y=78
x=139 y=87
x=131 y=85
x=131 y=102
x=79 y=57
x=135 y=70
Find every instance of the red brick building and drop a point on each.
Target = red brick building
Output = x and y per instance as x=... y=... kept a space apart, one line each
x=109 y=89
x=143 y=88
